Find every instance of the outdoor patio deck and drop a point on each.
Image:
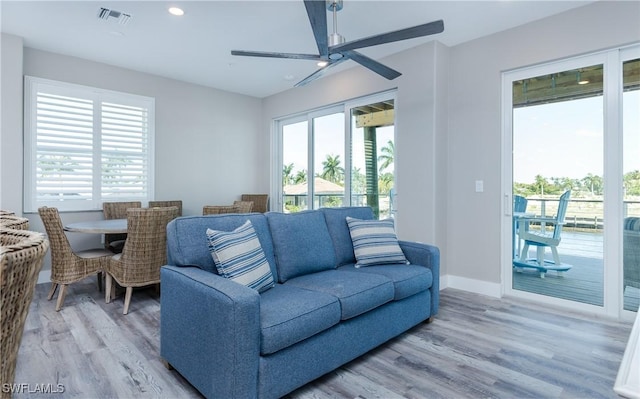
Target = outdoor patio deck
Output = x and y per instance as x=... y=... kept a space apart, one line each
x=584 y=282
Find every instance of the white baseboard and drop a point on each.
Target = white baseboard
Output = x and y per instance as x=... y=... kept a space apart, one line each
x=467 y=284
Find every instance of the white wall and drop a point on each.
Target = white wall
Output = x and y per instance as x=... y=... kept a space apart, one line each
x=206 y=147
x=10 y=121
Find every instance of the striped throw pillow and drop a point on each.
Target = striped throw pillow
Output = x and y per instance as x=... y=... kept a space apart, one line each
x=238 y=256
x=375 y=242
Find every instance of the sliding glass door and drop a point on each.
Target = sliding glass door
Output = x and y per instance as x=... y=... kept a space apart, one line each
x=571 y=225
x=339 y=156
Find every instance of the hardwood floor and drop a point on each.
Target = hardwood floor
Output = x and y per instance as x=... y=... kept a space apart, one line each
x=477 y=347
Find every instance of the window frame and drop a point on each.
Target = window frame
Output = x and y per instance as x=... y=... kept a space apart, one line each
x=277 y=142
x=34 y=85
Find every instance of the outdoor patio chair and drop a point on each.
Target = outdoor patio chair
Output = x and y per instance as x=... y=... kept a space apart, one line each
x=519 y=207
x=631 y=252
x=542 y=239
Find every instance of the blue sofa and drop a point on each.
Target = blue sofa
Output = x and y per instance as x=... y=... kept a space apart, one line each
x=229 y=341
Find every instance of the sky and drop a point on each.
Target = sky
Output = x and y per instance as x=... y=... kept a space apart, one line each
x=565 y=139
x=329 y=140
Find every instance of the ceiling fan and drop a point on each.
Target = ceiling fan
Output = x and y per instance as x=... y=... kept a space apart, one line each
x=334 y=49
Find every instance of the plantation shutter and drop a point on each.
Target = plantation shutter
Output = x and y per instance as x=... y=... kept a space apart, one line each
x=64 y=147
x=124 y=150
x=85 y=146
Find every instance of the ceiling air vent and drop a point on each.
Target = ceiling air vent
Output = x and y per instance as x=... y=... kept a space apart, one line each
x=113 y=15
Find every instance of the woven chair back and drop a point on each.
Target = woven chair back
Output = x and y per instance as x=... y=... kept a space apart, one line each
x=165 y=204
x=145 y=250
x=14 y=222
x=220 y=209
x=21 y=256
x=244 y=206
x=260 y=201
x=117 y=210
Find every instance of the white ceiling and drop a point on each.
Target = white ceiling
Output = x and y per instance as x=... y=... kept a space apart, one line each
x=196 y=47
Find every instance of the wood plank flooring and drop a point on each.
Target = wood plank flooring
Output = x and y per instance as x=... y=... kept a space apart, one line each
x=477 y=347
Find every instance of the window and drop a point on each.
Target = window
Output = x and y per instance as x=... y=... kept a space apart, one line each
x=339 y=156
x=85 y=145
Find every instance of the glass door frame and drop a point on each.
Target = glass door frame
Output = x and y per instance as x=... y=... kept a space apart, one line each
x=612 y=170
x=277 y=141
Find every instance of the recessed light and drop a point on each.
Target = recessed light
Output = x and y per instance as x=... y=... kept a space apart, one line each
x=176 y=11
x=322 y=64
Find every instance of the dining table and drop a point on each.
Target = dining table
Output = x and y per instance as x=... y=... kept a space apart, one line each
x=110 y=226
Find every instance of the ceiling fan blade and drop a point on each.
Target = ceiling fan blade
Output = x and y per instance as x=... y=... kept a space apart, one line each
x=317 y=12
x=319 y=72
x=277 y=55
x=373 y=65
x=402 y=34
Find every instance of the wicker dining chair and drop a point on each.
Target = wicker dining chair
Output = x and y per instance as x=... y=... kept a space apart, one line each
x=260 y=201
x=244 y=206
x=145 y=251
x=14 y=222
x=117 y=210
x=21 y=255
x=68 y=266
x=220 y=209
x=164 y=204
x=6 y=212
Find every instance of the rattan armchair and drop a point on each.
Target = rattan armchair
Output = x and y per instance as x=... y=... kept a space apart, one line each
x=145 y=251
x=12 y=221
x=164 y=204
x=220 y=209
x=68 y=266
x=260 y=201
x=244 y=206
x=117 y=210
x=21 y=255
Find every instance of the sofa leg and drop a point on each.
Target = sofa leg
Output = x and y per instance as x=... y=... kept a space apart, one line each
x=167 y=365
x=429 y=320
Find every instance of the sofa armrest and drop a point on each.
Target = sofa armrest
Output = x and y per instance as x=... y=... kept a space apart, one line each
x=210 y=331
x=428 y=256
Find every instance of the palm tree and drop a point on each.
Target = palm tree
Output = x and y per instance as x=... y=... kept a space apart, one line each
x=331 y=169
x=287 y=176
x=300 y=177
x=594 y=183
x=386 y=156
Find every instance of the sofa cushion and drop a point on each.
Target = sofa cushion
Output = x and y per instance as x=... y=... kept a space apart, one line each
x=239 y=257
x=339 y=230
x=407 y=279
x=357 y=292
x=187 y=243
x=301 y=243
x=289 y=314
x=375 y=242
